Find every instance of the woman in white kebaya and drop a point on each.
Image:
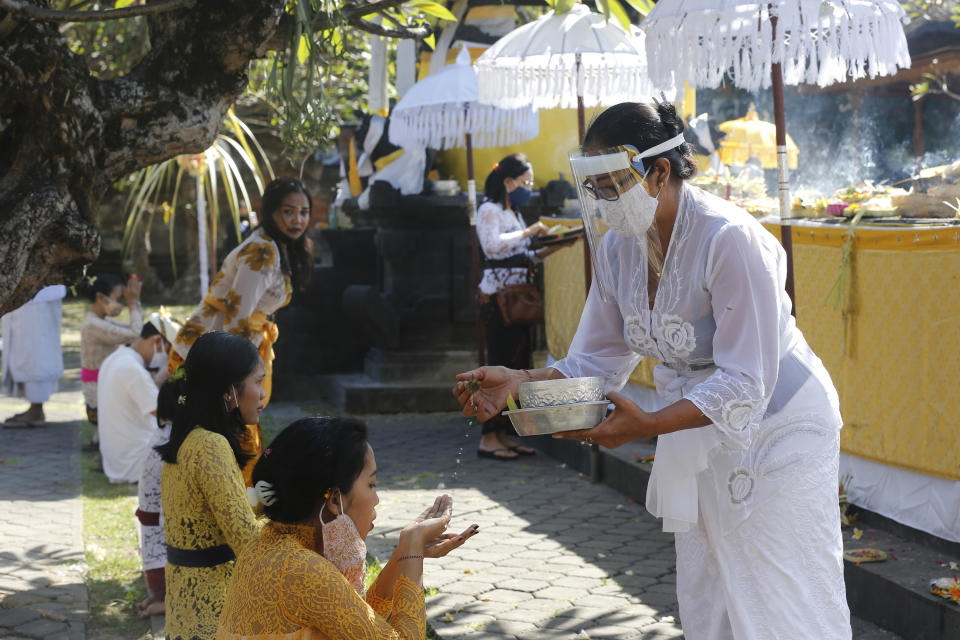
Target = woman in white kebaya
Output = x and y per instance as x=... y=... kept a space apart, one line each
x=745 y=472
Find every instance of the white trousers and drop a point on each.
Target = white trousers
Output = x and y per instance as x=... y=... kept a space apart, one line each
x=32 y=359
x=776 y=576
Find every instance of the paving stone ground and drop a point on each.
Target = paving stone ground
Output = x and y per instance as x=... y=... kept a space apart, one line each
x=42 y=594
x=557 y=557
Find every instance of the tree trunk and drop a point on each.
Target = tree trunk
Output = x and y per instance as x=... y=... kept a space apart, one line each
x=66 y=136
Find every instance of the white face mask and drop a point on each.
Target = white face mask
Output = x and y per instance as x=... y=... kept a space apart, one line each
x=631 y=214
x=343 y=546
x=159 y=360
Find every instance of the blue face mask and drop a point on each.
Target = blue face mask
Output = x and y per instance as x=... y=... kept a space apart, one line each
x=519 y=197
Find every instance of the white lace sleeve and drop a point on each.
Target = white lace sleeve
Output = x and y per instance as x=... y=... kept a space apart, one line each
x=745 y=278
x=500 y=237
x=598 y=348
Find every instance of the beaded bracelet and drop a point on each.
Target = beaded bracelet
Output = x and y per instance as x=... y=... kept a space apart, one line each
x=409 y=558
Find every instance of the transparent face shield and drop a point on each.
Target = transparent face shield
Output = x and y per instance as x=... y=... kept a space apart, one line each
x=613 y=199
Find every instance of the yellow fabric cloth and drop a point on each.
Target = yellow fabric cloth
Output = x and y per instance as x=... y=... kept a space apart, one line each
x=892 y=348
x=353 y=175
x=205 y=504
x=565 y=293
x=283 y=589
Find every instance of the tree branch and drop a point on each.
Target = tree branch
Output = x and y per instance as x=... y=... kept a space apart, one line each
x=27 y=10
x=355 y=12
x=374 y=7
x=412 y=32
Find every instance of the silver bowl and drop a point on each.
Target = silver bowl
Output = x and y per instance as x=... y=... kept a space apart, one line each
x=551 y=393
x=568 y=417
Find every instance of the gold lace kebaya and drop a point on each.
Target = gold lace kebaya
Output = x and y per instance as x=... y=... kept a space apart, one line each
x=205 y=508
x=284 y=590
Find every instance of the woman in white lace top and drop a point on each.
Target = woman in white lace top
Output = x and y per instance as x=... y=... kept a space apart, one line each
x=745 y=472
x=503 y=235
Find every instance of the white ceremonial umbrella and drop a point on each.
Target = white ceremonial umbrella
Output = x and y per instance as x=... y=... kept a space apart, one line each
x=441 y=112
x=772 y=42
x=573 y=59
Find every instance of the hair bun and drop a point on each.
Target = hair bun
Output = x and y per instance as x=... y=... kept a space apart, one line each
x=670 y=119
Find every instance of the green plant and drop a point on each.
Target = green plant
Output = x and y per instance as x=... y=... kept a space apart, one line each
x=157 y=187
x=609 y=8
x=935 y=11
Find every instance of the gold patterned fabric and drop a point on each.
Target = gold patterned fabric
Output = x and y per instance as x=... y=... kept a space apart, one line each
x=889 y=342
x=247 y=290
x=283 y=589
x=204 y=505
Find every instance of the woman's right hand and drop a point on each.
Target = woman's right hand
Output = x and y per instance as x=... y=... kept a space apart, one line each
x=431 y=523
x=536 y=229
x=490 y=397
x=131 y=292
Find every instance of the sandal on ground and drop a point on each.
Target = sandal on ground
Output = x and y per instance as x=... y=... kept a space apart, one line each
x=492 y=454
x=20 y=423
x=521 y=450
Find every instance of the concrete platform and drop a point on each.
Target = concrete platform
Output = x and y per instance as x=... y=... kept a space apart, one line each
x=359 y=393
x=399 y=381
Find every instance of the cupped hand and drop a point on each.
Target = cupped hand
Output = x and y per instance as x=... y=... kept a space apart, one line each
x=490 y=397
x=432 y=523
x=131 y=292
x=447 y=542
x=627 y=423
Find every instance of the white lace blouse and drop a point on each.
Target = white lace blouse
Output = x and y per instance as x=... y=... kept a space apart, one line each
x=722 y=329
x=500 y=232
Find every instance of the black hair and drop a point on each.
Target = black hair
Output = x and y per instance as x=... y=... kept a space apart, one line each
x=512 y=166
x=104 y=284
x=308 y=459
x=167 y=401
x=643 y=126
x=217 y=361
x=296 y=256
x=149 y=330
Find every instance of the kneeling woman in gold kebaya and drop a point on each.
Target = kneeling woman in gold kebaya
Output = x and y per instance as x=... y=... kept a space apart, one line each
x=207 y=518
x=304 y=575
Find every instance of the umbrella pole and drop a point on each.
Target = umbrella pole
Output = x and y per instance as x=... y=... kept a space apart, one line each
x=581 y=118
x=783 y=178
x=581 y=127
x=475 y=250
x=595 y=474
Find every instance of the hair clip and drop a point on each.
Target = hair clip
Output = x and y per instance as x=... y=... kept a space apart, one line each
x=266 y=452
x=496 y=165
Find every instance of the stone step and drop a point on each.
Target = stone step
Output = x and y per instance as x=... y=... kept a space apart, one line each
x=418 y=366
x=894 y=595
x=358 y=393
